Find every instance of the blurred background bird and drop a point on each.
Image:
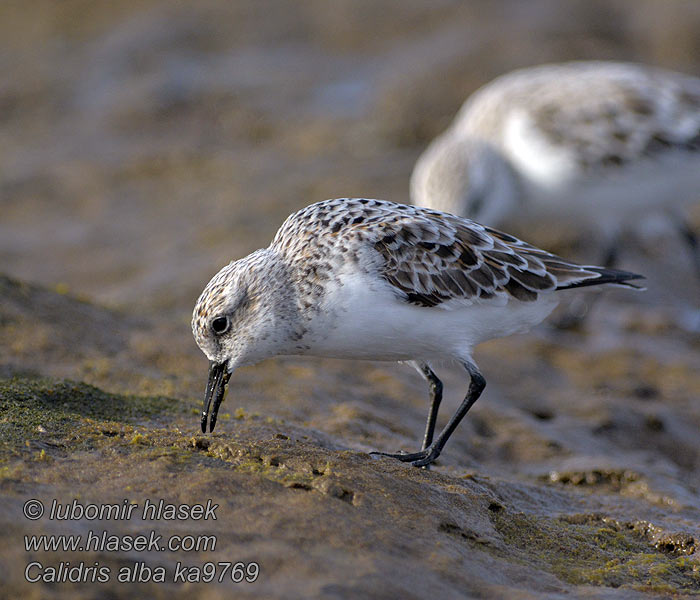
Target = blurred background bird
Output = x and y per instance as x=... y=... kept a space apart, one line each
x=595 y=148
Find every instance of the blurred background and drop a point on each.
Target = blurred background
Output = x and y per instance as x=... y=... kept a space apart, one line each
x=146 y=143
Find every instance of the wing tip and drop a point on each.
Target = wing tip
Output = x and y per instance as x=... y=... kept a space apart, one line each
x=605 y=276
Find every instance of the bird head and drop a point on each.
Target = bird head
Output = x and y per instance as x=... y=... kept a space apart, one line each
x=239 y=319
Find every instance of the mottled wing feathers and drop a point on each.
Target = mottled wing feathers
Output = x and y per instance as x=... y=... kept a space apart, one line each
x=432 y=258
x=626 y=119
x=606 y=113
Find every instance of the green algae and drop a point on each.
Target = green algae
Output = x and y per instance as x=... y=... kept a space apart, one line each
x=615 y=478
x=578 y=549
x=71 y=414
x=594 y=551
x=285 y=464
x=585 y=550
x=250 y=460
x=644 y=572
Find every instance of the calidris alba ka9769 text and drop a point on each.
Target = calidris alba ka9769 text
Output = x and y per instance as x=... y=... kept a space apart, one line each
x=369 y=279
x=595 y=144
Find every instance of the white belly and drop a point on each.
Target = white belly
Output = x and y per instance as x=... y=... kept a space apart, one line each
x=364 y=320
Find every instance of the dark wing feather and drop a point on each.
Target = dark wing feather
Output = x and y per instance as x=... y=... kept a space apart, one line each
x=432 y=258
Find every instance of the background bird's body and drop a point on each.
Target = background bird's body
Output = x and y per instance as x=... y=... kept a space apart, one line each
x=595 y=144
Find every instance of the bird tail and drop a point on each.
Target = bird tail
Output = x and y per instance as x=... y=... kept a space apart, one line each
x=600 y=275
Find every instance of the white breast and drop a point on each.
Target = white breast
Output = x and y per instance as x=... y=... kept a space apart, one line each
x=545 y=166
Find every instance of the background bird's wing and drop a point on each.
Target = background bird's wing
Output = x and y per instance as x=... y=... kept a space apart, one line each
x=619 y=114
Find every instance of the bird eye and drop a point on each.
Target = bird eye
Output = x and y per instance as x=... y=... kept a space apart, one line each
x=220 y=325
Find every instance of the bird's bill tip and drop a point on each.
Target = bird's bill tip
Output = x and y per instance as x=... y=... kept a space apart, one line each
x=216 y=389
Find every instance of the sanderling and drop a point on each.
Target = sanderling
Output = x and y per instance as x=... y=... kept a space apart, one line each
x=375 y=280
x=597 y=144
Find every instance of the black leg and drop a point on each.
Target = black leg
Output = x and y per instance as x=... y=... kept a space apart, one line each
x=691 y=240
x=612 y=253
x=429 y=454
x=435 y=399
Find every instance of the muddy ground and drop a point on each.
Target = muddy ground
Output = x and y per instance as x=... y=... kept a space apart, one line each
x=145 y=144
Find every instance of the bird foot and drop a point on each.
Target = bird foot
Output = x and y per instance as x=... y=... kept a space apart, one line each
x=418 y=459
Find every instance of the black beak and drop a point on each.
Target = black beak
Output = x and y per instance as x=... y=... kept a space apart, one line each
x=216 y=388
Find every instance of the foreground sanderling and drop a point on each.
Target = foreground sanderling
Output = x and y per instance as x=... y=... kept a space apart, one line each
x=596 y=144
x=369 y=279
